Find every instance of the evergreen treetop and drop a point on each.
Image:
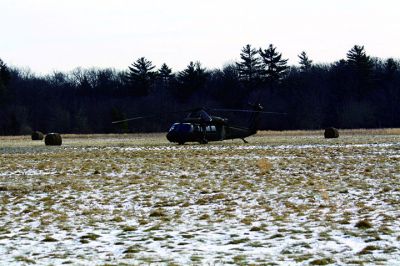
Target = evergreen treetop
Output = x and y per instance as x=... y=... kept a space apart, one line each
x=140 y=76
x=305 y=62
x=250 y=65
x=274 y=67
x=165 y=72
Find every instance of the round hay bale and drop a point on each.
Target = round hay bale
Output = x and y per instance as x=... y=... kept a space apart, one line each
x=37 y=135
x=331 y=132
x=53 y=139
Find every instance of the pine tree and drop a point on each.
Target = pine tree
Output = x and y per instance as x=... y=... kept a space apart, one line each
x=250 y=66
x=274 y=67
x=361 y=67
x=165 y=73
x=141 y=76
x=390 y=68
x=305 y=62
x=359 y=60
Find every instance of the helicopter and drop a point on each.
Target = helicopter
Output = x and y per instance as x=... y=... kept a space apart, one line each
x=199 y=126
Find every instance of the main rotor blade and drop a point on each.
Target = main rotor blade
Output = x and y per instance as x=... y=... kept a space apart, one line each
x=154 y=115
x=249 y=111
x=133 y=118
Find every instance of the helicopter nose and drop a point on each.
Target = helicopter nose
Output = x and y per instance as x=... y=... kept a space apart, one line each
x=171 y=136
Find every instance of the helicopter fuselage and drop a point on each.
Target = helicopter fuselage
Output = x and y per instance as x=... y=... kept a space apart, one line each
x=203 y=133
x=199 y=126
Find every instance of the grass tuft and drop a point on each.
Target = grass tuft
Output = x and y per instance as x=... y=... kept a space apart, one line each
x=88 y=237
x=363 y=224
x=368 y=250
x=324 y=261
x=264 y=166
x=133 y=249
x=157 y=213
x=49 y=239
x=129 y=228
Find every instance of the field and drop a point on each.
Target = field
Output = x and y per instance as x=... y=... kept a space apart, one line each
x=285 y=198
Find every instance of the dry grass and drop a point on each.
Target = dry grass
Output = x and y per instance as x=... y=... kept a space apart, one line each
x=286 y=197
x=264 y=166
x=351 y=132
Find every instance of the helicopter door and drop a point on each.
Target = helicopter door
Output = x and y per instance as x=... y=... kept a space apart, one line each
x=221 y=132
x=211 y=132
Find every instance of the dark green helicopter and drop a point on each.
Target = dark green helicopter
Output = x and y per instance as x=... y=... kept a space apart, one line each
x=199 y=126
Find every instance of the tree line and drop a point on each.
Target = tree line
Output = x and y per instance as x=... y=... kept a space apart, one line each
x=358 y=91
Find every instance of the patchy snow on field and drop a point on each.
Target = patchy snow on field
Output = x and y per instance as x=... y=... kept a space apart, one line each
x=284 y=201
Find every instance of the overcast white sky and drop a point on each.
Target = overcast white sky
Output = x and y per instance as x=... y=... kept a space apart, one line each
x=48 y=35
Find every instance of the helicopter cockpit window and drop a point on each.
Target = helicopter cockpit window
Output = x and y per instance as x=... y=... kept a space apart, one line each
x=173 y=127
x=181 y=127
x=185 y=128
